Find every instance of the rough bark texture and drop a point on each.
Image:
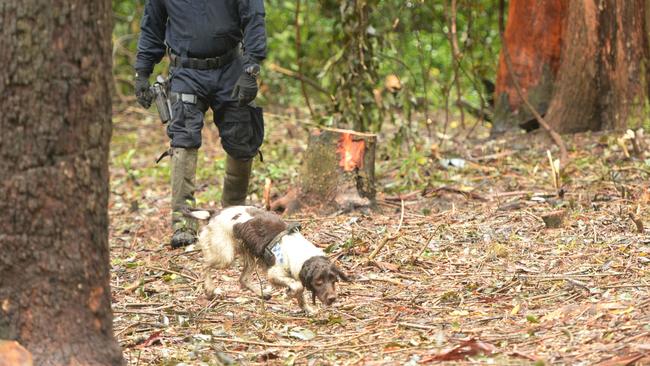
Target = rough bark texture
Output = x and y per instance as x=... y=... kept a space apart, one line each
x=534 y=36
x=55 y=95
x=580 y=63
x=600 y=83
x=646 y=46
x=338 y=173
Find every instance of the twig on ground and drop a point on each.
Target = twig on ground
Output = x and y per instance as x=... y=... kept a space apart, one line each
x=388 y=237
x=194 y=279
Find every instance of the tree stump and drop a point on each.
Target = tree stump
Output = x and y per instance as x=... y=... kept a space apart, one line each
x=338 y=173
x=554 y=220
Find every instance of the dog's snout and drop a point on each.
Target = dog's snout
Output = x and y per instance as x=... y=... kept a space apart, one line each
x=331 y=299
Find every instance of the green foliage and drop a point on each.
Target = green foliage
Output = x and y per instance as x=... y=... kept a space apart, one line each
x=125 y=36
x=348 y=48
x=127 y=15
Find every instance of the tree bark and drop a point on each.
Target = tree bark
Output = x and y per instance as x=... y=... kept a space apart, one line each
x=580 y=63
x=55 y=98
x=533 y=34
x=600 y=83
x=13 y=354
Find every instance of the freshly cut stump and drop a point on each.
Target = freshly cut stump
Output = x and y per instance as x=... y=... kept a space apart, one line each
x=338 y=173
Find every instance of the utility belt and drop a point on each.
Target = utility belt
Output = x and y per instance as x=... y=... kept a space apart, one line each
x=203 y=63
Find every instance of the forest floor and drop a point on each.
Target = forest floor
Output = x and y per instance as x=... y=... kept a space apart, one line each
x=470 y=275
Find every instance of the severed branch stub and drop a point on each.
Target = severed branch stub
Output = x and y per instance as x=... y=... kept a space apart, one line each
x=338 y=173
x=554 y=220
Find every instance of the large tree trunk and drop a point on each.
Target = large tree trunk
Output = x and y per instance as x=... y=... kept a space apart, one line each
x=55 y=90
x=600 y=84
x=580 y=63
x=533 y=35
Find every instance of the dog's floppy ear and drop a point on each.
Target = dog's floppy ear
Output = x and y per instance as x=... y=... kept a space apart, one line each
x=306 y=274
x=340 y=273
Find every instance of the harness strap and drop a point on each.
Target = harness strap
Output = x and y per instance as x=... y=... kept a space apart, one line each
x=272 y=250
x=185 y=98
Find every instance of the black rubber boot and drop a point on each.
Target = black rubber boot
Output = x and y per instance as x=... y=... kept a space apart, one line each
x=183 y=237
x=235 y=183
x=182 y=177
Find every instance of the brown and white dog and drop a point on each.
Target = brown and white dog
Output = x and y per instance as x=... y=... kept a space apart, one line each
x=261 y=238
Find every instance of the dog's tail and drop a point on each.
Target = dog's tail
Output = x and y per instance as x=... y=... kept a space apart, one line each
x=200 y=214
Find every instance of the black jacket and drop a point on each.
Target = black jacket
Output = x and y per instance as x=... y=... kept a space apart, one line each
x=201 y=29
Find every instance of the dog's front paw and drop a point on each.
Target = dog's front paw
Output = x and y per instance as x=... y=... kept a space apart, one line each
x=295 y=290
x=310 y=311
x=213 y=293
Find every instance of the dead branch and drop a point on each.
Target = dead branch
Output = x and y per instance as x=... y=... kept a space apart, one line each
x=301 y=77
x=267 y=194
x=456 y=55
x=299 y=60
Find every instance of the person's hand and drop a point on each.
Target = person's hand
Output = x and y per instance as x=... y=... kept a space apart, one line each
x=142 y=93
x=246 y=88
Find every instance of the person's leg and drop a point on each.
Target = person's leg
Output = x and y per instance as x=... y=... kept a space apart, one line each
x=241 y=129
x=183 y=172
x=237 y=139
x=184 y=130
x=235 y=181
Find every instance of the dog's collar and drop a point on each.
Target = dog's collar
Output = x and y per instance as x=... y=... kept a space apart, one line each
x=273 y=249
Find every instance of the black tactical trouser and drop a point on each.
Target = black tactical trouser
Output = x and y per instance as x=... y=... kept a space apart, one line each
x=241 y=128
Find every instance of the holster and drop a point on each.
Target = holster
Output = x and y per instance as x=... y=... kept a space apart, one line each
x=160 y=92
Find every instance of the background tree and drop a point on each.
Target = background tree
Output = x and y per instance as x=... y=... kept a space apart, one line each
x=533 y=35
x=601 y=81
x=55 y=89
x=582 y=63
x=355 y=67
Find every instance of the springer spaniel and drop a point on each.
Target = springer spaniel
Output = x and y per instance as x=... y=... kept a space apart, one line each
x=262 y=238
